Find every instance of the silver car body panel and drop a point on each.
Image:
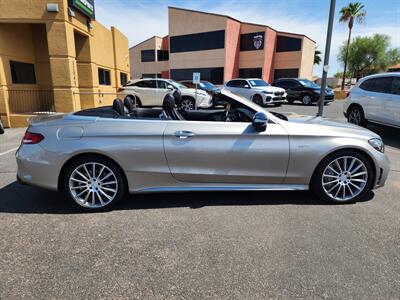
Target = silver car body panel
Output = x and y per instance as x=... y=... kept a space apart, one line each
x=214 y=156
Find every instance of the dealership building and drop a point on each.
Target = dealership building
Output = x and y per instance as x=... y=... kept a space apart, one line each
x=55 y=57
x=221 y=48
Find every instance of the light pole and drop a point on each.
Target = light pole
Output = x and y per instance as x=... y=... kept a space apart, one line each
x=326 y=59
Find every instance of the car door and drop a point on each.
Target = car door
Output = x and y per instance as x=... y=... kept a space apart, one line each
x=146 y=91
x=226 y=152
x=376 y=97
x=161 y=91
x=392 y=105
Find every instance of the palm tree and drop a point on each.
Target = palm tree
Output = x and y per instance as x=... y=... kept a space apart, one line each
x=317 y=57
x=354 y=11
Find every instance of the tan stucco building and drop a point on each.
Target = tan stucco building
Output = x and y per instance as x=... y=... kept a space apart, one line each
x=54 y=56
x=221 y=48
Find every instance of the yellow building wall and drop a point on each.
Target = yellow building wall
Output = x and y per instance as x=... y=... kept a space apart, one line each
x=307 y=59
x=28 y=33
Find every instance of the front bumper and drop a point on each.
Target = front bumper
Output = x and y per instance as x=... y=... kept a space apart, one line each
x=382 y=168
x=271 y=99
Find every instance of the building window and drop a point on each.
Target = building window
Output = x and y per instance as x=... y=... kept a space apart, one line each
x=104 y=77
x=214 y=75
x=198 y=41
x=285 y=43
x=252 y=41
x=250 y=73
x=148 y=55
x=286 y=73
x=123 y=78
x=162 y=55
x=22 y=73
x=152 y=75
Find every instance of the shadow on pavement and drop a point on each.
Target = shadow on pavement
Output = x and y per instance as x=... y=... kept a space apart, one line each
x=16 y=198
x=389 y=135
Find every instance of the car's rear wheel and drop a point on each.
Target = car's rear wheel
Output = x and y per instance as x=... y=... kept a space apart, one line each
x=343 y=177
x=355 y=115
x=306 y=100
x=94 y=183
x=135 y=100
x=187 y=103
x=257 y=99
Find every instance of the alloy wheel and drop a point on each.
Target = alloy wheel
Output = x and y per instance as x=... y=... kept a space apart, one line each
x=187 y=104
x=344 y=178
x=355 y=116
x=93 y=185
x=306 y=100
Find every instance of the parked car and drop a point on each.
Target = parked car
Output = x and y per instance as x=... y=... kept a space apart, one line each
x=97 y=155
x=303 y=90
x=203 y=85
x=1 y=128
x=257 y=90
x=151 y=92
x=375 y=99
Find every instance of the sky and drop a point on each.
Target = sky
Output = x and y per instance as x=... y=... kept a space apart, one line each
x=141 y=19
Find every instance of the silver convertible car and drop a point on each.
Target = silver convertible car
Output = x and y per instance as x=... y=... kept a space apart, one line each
x=96 y=156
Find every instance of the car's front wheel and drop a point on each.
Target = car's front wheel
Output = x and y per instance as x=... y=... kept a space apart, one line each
x=94 y=183
x=187 y=103
x=306 y=100
x=257 y=99
x=343 y=177
x=355 y=115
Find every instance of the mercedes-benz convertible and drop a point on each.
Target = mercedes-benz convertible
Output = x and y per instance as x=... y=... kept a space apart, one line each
x=96 y=156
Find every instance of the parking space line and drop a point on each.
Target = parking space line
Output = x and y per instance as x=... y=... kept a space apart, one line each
x=8 y=151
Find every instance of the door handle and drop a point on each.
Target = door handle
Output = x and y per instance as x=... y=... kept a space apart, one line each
x=184 y=134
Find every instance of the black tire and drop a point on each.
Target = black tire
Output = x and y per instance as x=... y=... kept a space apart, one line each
x=277 y=104
x=355 y=115
x=187 y=103
x=1 y=128
x=290 y=100
x=306 y=99
x=317 y=187
x=120 y=186
x=257 y=99
x=135 y=100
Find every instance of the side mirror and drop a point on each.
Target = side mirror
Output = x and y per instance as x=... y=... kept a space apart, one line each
x=260 y=121
x=170 y=87
x=246 y=86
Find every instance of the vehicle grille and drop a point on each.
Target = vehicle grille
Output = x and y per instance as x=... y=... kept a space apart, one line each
x=279 y=93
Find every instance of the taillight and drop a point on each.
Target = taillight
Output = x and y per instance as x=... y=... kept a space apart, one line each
x=32 y=138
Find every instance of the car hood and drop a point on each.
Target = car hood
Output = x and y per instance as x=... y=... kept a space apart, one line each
x=340 y=127
x=269 y=88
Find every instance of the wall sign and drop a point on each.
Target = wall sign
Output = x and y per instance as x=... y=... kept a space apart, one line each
x=252 y=41
x=84 y=6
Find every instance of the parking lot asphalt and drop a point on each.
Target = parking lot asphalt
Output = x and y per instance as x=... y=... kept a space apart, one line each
x=247 y=245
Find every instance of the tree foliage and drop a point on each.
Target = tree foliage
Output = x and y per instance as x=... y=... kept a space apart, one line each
x=354 y=11
x=369 y=55
x=317 y=57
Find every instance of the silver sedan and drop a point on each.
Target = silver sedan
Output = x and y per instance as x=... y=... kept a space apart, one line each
x=96 y=156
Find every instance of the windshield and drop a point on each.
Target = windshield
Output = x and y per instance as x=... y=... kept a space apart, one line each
x=258 y=82
x=207 y=85
x=177 y=84
x=309 y=83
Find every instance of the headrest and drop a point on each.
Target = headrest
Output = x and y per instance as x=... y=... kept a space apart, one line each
x=169 y=102
x=118 y=106
x=178 y=97
x=128 y=102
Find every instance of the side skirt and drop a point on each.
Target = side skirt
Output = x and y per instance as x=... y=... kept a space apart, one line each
x=264 y=187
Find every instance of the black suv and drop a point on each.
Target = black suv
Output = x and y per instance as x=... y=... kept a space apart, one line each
x=303 y=90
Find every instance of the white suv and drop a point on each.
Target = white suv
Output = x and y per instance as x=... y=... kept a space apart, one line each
x=257 y=90
x=151 y=92
x=375 y=99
